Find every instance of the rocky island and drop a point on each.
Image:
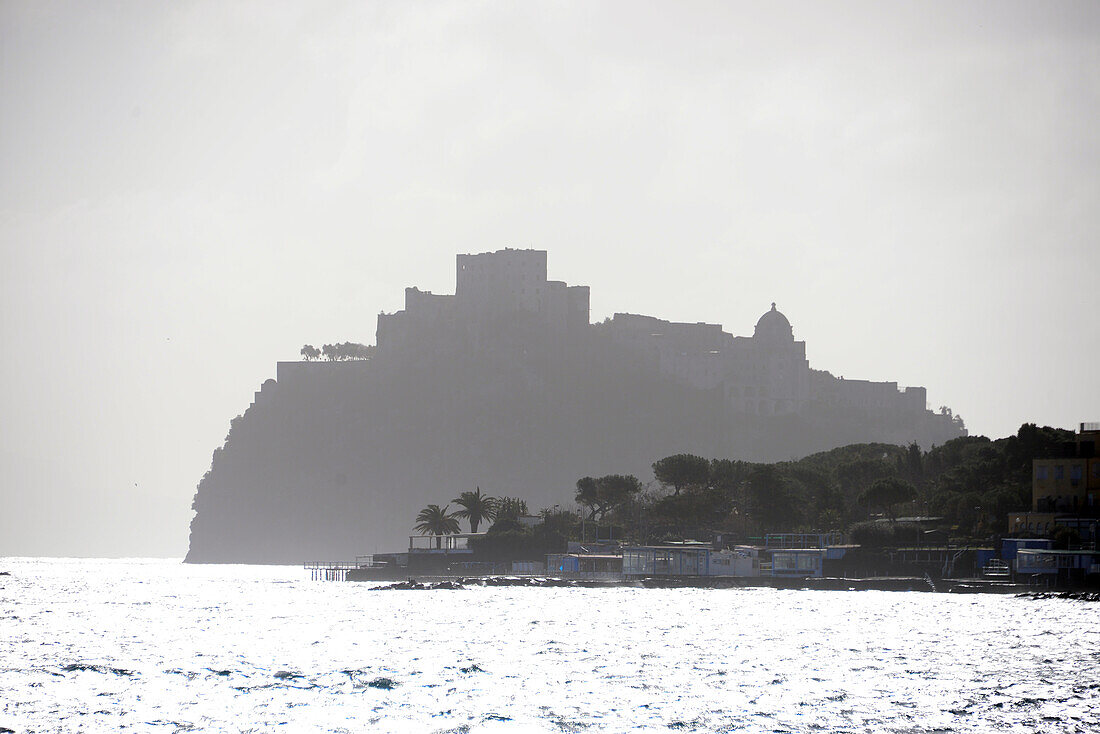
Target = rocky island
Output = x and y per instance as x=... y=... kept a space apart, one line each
x=506 y=385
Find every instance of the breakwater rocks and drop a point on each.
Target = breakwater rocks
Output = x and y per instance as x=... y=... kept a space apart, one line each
x=462 y=583
x=1071 y=595
x=903 y=583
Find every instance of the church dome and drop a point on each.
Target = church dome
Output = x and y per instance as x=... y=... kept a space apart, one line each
x=773 y=327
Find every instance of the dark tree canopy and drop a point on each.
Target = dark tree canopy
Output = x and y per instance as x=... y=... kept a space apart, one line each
x=973 y=482
x=511 y=508
x=769 y=500
x=682 y=470
x=857 y=475
x=911 y=464
x=605 y=494
x=347 y=350
x=887 y=493
x=508 y=540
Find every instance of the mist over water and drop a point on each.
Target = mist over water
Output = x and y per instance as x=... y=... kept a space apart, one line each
x=158 y=646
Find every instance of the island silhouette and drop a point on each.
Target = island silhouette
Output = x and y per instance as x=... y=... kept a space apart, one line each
x=506 y=385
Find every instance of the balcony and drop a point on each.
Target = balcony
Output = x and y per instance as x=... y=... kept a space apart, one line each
x=457 y=543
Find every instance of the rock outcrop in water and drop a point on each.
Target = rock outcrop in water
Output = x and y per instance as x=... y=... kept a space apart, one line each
x=505 y=385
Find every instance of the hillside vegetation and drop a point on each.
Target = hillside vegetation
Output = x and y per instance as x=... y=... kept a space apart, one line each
x=971 y=482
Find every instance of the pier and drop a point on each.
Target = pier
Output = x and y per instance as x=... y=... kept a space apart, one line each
x=336 y=570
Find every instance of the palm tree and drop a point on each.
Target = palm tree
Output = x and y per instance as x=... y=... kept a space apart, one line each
x=476 y=507
x=435 y=520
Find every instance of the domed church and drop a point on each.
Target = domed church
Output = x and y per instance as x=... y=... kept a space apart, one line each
x=773 y=328
x=780 y=383
x=766 y=374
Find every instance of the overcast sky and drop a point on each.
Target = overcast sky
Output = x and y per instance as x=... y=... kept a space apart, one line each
x=191 y=191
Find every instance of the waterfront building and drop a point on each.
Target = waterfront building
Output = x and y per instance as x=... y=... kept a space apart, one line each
x=528 y=567
x=585 y=565
x=687 y=559
x=436 y=552
x=1011 y=546
x=741 y=560
x=1061 y=567
x=797 y=562
x=950 y=561
x=1065 y=491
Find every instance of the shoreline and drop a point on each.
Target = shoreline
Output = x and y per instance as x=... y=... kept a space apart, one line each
x=883 y=583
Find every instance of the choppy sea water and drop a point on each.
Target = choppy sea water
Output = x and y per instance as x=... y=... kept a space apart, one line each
x=92 y=645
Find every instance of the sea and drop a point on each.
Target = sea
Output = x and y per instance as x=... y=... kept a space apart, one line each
x=160 y=646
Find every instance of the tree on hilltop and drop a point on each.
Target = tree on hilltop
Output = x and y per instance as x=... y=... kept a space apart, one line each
x=310 y=352
x=347 y=350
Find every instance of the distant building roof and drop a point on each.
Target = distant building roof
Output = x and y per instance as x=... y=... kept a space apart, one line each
x=773 y=326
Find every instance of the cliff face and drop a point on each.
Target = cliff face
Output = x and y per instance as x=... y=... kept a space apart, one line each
x=334 y=460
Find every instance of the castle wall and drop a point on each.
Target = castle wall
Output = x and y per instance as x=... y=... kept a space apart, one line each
x=505 y=279
x=766 y=374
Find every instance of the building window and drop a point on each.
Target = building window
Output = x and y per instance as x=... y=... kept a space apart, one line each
x=1059 y=472
x=784 y=562
x=807 y=563
x=1040 y=472
x=1075 y=471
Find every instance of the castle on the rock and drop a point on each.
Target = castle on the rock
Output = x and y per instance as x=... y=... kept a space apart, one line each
x=507 y=386
x=766 y=374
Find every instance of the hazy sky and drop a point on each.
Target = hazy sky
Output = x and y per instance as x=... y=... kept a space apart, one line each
x=191 y=191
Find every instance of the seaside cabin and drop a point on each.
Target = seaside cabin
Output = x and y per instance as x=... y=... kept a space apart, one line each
x=585 y=565
x=797 y=562
x=685 y=559
x=436 y=552
x=832 y=563
x=1062 y=567
x=940 y=561
x=1012 y=546
x=742 y=560
x=528 y=567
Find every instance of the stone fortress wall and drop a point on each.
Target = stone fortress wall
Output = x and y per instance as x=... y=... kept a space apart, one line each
x=766 y=374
